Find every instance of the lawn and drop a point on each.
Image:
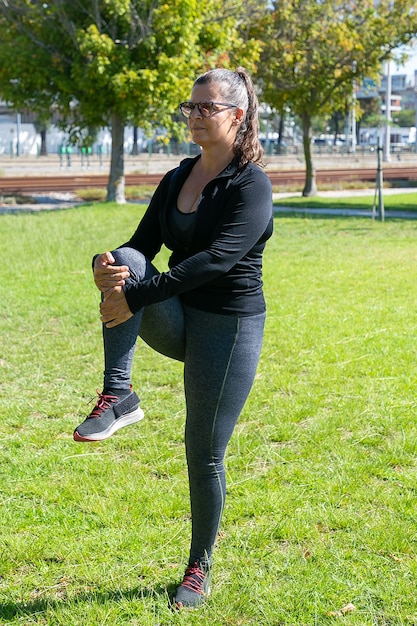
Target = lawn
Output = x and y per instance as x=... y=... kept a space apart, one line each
x=320 y=526
x=395 y=202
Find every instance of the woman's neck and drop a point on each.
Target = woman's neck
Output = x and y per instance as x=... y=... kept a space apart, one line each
x=212 y=163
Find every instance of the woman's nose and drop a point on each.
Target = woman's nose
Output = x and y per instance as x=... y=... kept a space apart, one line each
x=196 y=112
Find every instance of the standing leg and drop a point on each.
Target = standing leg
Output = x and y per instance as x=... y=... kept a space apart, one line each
x=222 y=353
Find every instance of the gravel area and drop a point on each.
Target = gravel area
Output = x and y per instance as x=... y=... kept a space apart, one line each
x=38 y=202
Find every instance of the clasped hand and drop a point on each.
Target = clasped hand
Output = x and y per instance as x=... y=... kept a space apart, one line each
x=109 y=279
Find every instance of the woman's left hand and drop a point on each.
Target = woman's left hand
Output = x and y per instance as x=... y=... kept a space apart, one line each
x=114 y=309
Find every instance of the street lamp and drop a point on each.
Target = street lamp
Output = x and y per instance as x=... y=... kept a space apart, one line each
x=354 y=109
x=387 y=146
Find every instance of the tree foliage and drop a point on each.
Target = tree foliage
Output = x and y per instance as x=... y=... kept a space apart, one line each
x=317 y=50
x=405 y=118
x=113 y=62
x=103 y=63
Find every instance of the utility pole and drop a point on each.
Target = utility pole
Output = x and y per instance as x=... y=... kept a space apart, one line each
x=379 y=187
x=387 y=150
x=416 y=121
x=354 y=110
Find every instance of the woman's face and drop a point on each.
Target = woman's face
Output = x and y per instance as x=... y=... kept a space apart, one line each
x=221 y=127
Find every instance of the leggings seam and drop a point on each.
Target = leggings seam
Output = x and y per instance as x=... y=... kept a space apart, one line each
x=215 y=419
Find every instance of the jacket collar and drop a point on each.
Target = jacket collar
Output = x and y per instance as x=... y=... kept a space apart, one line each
x=230 y=170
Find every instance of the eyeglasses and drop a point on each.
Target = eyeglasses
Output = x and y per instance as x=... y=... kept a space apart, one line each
x=207 y=109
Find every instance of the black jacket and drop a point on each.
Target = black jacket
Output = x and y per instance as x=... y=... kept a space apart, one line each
x=222 y=270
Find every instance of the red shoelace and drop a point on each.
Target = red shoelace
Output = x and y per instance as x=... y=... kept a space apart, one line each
x=194 y=579
x=104 y=402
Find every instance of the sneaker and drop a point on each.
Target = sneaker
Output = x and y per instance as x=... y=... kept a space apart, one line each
x=194 y=588
x=109 y=414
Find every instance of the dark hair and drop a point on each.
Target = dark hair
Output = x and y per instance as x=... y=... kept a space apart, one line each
x=237 y=87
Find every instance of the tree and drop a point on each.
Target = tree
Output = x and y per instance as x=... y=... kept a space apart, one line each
x=112 y=62
x=317 y=50
x=32 y=93
x=369 y=113
x=404 y=118
x=41 y=127
x=336 y=119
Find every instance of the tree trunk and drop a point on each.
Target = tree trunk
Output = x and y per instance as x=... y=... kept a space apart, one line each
x=43 y=149
x=358 y=128
x=281 y=127
x=116 y=184
x=135 y=150
x=310 y=187
x=335 y=118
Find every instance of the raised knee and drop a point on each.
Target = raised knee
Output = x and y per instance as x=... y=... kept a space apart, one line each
x=128 y=256
x=135 y=260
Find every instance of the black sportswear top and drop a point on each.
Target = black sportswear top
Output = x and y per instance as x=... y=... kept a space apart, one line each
x=220 y=271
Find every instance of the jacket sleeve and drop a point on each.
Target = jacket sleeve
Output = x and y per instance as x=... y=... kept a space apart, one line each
x=247 y=214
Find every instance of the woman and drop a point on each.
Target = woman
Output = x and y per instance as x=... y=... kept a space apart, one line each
x=214 y=212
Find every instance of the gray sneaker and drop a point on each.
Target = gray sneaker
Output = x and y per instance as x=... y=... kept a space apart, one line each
x=108 y=415
x=194 y=589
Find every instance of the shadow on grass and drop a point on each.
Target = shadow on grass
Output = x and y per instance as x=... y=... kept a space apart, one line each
x=327 y=212
x=308 y=215
x=11 y=610
x=408 y=205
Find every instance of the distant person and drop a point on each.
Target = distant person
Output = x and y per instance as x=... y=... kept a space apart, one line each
x=214 y=212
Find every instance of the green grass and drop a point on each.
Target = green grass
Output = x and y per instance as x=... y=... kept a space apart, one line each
x=396 y=202
x=321 y=509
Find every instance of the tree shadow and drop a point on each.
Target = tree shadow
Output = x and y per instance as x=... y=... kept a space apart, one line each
x=338 y=214
x=11 y=610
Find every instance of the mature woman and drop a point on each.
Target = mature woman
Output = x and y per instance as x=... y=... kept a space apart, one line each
x=214 y=212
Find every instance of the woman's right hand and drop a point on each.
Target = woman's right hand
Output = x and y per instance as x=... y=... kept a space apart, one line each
x=107 y=276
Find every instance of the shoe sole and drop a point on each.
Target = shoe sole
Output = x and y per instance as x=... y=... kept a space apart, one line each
x=127 y=420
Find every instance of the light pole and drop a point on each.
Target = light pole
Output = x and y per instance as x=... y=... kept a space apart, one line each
x=415 y=104
x=416 y=129
x=379 y=186
x=387 y=145
x=354 y=110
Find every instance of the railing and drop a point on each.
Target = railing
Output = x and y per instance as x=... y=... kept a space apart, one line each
x=342 y=150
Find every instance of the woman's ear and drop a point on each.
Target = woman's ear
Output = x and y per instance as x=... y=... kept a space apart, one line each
x=239 y=115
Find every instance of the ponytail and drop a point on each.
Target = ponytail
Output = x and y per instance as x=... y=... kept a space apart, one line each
x=247 y=145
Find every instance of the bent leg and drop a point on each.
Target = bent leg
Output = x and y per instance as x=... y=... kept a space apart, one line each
x=161 y=325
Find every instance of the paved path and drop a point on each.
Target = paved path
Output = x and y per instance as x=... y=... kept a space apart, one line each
x=347 y=212
x=406 y=215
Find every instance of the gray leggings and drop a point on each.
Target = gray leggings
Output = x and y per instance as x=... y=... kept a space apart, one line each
x=220 y=355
